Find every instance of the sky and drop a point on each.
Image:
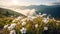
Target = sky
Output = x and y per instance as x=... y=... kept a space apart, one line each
x=27 y=2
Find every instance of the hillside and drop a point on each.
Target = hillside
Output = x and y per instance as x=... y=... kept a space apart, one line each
x=8 y=13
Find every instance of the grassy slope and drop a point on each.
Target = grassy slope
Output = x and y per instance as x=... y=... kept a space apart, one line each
x=8 y=13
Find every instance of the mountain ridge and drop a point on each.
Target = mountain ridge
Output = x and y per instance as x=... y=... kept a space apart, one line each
x=53 y=10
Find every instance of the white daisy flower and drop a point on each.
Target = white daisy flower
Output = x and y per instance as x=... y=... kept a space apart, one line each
x=44 y=14
x=33 y=17
x=45 y=28
x=40 y=15
x=23 y=30
x=54 y=19
x=36 y=25
x=30 y=18
x=24 y=19
x=18 y=18
x=45 y=20
x=12 y=26
x=12 y=32
x=6 y=26
x=48 y=18
x=23 y=23
x=13 y=20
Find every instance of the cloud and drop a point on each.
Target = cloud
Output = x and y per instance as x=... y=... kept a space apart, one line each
x=56 y=3
x=26 y=12
x=51 y=3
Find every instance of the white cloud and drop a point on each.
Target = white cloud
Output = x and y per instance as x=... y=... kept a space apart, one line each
x=26 y=11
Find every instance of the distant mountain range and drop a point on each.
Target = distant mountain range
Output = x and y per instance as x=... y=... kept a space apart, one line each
x=9 y=13
x=53 y=10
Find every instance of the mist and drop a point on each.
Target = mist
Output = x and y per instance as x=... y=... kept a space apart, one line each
x=26 y=12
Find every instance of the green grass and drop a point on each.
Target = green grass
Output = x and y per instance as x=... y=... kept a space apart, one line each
x=52 y=27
